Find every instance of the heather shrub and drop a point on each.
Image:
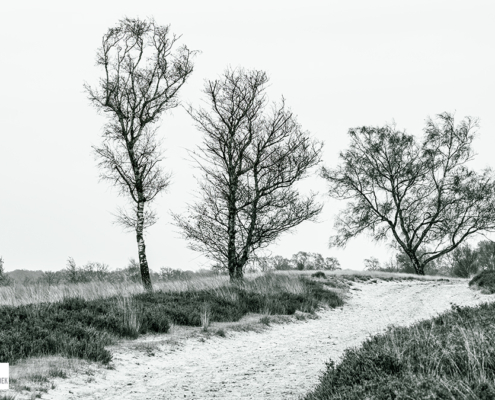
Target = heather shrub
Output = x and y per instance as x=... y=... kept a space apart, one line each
x=447 y=357
x=484 y=280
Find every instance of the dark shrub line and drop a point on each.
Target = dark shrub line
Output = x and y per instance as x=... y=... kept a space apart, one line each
x=484 y=280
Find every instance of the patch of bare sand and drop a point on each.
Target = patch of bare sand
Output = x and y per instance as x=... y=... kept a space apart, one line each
x=282 y=362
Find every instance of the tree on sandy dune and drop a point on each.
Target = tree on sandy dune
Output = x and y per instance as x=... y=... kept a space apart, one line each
x=420 y=194
x=143 y=70
x=250 y=160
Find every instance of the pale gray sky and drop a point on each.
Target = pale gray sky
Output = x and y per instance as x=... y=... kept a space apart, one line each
x=339 y=64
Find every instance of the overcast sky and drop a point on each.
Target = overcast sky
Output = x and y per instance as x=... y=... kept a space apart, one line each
x=339 y=64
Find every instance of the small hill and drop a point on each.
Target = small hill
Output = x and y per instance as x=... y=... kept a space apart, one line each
x=19 y=275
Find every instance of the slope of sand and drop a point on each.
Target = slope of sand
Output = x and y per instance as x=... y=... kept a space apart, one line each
x=283 y=362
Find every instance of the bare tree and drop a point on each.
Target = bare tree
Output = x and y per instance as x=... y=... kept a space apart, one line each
x=251 y=159
x=142 y=78
x=421 y=194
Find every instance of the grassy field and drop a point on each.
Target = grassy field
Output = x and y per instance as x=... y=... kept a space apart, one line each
x=17 y=295
x=451 y=356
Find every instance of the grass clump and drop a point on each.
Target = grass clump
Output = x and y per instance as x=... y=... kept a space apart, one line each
x=451 y=356
x=204 y=314
x=485 y=281
x=7 y=397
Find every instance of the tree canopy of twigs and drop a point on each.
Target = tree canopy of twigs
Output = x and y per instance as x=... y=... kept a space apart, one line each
x=420 y=194
x=143 y=70
x=252 y=156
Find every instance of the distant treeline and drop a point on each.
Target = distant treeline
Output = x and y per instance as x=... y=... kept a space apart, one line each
x=93 y=271
x=300 y=261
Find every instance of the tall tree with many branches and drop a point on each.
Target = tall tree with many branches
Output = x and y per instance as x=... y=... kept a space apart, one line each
x=143 y=72
x=251 y=158
x=422 y=194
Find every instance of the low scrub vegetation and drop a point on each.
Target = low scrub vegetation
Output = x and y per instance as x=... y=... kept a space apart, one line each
x=81 y=327
x=463 y=262
x=485 y=281
x=95 y=271
x=448 y=357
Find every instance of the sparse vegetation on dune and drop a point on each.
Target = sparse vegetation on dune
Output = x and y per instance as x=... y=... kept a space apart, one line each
x=448 y=357
x=78 y=326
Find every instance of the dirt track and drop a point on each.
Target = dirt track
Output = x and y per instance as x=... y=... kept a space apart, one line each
x=283 y=362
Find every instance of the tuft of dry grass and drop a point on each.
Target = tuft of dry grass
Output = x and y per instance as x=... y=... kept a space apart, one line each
x=205 y=314
x=8 y=396
x=130 y=314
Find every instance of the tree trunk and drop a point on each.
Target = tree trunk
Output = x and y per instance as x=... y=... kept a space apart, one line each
x=143 y=262
x=418 y=267
x=239 y=274
x=235 y=271
x=231 y=249
x=231 y=272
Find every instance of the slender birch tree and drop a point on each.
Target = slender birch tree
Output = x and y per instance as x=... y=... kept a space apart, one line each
x=420 y=194
x=250 y=160
x=143 y=70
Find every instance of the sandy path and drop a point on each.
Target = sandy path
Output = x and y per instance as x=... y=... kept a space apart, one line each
x=283 y=362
